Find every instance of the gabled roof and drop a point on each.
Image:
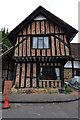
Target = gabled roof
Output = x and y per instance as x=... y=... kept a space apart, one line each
x=70 y=31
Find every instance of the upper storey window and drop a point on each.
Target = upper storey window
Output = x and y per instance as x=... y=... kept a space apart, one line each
x=40 y=17
x=40 y=42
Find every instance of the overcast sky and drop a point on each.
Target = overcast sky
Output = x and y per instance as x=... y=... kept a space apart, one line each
x=12 y=12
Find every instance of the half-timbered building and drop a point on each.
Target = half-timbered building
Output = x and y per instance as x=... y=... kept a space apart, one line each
x=76 y=62
x=41 y=49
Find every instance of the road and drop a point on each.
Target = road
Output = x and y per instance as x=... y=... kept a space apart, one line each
x=53 y=110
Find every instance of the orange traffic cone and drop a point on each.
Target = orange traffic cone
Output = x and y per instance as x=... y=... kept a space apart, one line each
x=6 y=103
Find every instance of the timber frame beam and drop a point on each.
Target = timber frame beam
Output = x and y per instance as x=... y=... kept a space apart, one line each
x=57 y=59
x=41 y=34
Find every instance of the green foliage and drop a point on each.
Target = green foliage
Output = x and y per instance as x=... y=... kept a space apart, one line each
x=67 y=89
x=6 y=44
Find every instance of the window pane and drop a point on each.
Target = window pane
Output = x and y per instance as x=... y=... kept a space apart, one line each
x=34 y=42
x=46 y=42
x=40 y=38
x=40 y=43
x=57 y=73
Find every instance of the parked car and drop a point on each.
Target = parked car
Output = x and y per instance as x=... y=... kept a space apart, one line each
x=75 y=82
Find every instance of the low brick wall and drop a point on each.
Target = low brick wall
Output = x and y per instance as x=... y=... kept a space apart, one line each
x=35 y=90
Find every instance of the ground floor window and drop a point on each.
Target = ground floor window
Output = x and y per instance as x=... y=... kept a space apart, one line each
x=76 y=72
x=49 y=73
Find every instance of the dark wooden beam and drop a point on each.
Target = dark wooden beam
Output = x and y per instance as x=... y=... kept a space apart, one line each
x=55 y=46
x=40 y=52
x=50 y=43
x=25 y=75
x=31 y=28
x=37 y=80
x=30 y=37
x=49 y=27
x=64 y=46
x=30 y=46
x=45 y=34
x=31 y=73
x=62 y=76
x=40 y=26
x=14 y=74
x=55 y=42
x=44 y=27
x=26 y=39
x=60 y=59
x=20 y=73
x=49 y=83
x=35 y=27
x=18 y=45
x=59 y=41
x=22 y=43
x=68 y=41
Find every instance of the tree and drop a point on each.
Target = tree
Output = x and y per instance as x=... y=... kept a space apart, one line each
x=5 y=42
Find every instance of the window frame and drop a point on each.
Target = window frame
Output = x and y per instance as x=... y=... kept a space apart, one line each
x=37 y=36
x=49 y=67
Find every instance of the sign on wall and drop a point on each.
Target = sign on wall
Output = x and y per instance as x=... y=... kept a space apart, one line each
x=7 y=86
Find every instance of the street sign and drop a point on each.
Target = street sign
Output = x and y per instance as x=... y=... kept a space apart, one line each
x=7 y=86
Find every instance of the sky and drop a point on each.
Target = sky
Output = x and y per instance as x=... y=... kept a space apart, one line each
x=12 y=12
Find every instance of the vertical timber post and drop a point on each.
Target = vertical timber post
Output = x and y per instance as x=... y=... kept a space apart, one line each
x=14 y=74
x=62 y=76
x=37 y=82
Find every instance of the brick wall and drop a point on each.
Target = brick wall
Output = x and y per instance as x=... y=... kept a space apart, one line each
x=67 y=74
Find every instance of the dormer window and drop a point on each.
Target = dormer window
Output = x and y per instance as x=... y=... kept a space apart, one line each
x=40 y=42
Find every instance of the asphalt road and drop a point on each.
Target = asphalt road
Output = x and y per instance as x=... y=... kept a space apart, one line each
x=53 y=110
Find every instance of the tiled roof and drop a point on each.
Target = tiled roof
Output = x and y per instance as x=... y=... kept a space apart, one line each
x=75 y=50
x=7 y=55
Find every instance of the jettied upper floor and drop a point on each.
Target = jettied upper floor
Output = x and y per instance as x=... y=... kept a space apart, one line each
x=42 y=34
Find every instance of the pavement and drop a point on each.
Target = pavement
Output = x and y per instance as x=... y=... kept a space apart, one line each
x=49 y=110
x=54 y=105
x=41 y=98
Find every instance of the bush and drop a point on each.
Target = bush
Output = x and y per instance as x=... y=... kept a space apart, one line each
x=67 y=90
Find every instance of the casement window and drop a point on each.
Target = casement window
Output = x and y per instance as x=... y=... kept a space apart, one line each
x=40 y=42
x=48 y=73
